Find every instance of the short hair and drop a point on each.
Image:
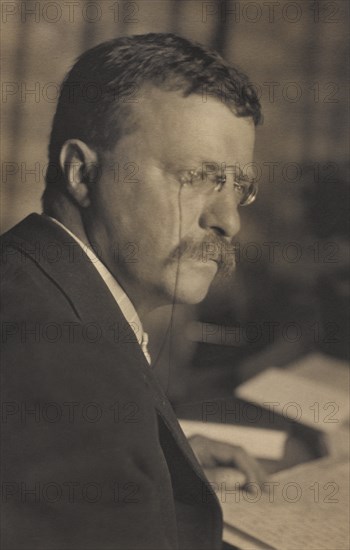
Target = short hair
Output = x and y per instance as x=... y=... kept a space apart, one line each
x=96 y=95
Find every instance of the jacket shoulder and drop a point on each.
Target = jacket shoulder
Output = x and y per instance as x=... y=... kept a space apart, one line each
x=27 y=290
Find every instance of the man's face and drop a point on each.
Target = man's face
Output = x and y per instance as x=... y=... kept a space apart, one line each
x=155 y=234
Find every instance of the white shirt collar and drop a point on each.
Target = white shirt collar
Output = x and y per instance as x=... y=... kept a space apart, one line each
x=117 y=292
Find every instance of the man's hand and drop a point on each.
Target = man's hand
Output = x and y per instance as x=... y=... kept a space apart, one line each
x=225 y=462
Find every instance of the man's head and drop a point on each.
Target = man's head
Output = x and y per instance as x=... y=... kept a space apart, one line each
x=145 y=131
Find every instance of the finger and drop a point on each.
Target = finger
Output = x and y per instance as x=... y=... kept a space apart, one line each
x=230 y=479
x=253 y=471
x=214 y=454
x=224 y=454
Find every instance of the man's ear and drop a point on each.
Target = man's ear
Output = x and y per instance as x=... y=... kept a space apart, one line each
x=79 y=164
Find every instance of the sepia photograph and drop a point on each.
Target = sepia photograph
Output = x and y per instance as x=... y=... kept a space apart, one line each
x=175 y=282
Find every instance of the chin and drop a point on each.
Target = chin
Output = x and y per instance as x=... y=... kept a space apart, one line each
x=190 y=296
x=192 y=286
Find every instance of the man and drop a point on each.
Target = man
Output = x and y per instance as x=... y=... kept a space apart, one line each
x=145 y=179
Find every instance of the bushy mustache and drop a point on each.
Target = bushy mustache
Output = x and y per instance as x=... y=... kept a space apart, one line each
x=211 y=249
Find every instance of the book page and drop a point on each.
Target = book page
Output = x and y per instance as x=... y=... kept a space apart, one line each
x=299 y=398
x=304 y=508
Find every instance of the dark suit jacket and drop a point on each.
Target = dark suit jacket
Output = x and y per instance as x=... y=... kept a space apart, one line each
x=93 y=455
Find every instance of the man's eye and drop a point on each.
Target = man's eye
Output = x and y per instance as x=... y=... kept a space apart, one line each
x=185 y=177
x=191 y=176
x=239 y=187
x=198 y=175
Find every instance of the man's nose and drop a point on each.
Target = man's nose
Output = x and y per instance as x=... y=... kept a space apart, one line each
x=221 y=216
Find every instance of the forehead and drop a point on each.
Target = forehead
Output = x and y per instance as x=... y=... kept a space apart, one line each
x=172 y=127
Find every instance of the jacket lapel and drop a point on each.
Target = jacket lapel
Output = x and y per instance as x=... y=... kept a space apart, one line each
x=58 y=254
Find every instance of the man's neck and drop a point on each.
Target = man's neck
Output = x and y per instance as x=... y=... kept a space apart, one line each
x=69 y=216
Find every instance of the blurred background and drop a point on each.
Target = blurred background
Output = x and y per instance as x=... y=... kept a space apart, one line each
x=290 y=293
